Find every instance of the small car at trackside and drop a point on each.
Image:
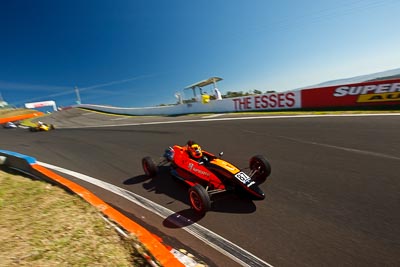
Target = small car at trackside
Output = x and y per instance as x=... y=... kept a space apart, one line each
x=41 y=127
x=210 y=175
x=10 y=125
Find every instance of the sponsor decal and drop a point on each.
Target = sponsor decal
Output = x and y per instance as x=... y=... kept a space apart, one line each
x=371 y=93
x=367 y=89
x=225 y=165
x=284 y=100
x=195 y=170
x=230 y=167
x=379 y=97
x=347 y=95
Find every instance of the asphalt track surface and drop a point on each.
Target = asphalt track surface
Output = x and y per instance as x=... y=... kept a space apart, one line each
x=333 y=198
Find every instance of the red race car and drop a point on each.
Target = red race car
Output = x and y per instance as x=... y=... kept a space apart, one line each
x=207 y=174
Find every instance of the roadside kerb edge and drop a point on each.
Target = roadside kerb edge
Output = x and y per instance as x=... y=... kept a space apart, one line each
x=152 y=243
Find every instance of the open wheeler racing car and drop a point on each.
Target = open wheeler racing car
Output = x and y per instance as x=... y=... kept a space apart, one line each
x=40 y=126
x=207 y=174
x=10 y=125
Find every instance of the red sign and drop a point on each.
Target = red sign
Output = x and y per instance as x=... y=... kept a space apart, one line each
x=385 y=92
x=286 y=100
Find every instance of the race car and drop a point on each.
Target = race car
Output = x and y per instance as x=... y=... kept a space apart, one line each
x=209 y=174
x=40 y=126
x=10 y=125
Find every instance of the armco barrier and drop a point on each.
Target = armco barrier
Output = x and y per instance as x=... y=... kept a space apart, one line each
x=28 y=165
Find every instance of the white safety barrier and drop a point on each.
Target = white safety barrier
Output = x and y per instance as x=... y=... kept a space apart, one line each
x=272 y=101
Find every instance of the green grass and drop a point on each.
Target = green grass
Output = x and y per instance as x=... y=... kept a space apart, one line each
x=43 y=225
x=4 y=113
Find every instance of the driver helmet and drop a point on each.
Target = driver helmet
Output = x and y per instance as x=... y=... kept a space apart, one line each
x=40 y=123
x=195 y=151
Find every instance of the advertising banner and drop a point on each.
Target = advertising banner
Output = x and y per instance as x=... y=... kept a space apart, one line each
x=385 y=92
x=41 y=104
x=272 y=101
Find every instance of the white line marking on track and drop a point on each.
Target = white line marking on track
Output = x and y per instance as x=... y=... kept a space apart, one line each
x=212 y=239
x=364 y=152
x=119 y=119
x=236 y=118
x=212 y=116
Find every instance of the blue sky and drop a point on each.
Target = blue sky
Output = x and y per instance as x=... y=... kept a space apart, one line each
x=132 y=53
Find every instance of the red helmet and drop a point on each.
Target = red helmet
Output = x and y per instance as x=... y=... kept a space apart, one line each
x=195 y=151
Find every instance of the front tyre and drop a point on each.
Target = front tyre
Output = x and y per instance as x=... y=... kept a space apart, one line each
x=260 y=169
x=199 y=199
x=149 y=167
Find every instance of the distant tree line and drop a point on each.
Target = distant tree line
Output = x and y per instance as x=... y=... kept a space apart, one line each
x=231 y=94
x=385 y=78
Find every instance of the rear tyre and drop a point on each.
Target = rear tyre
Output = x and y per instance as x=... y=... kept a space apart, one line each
x=149 y=167
x=199 y=199
x=261 y=168
x=52 y=127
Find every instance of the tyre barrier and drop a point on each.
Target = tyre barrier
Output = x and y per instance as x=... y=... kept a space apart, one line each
x=28 y=165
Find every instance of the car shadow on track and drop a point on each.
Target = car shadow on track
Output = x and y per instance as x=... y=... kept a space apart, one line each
x=229 y=204
x=163 y=183
x=177 y=190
